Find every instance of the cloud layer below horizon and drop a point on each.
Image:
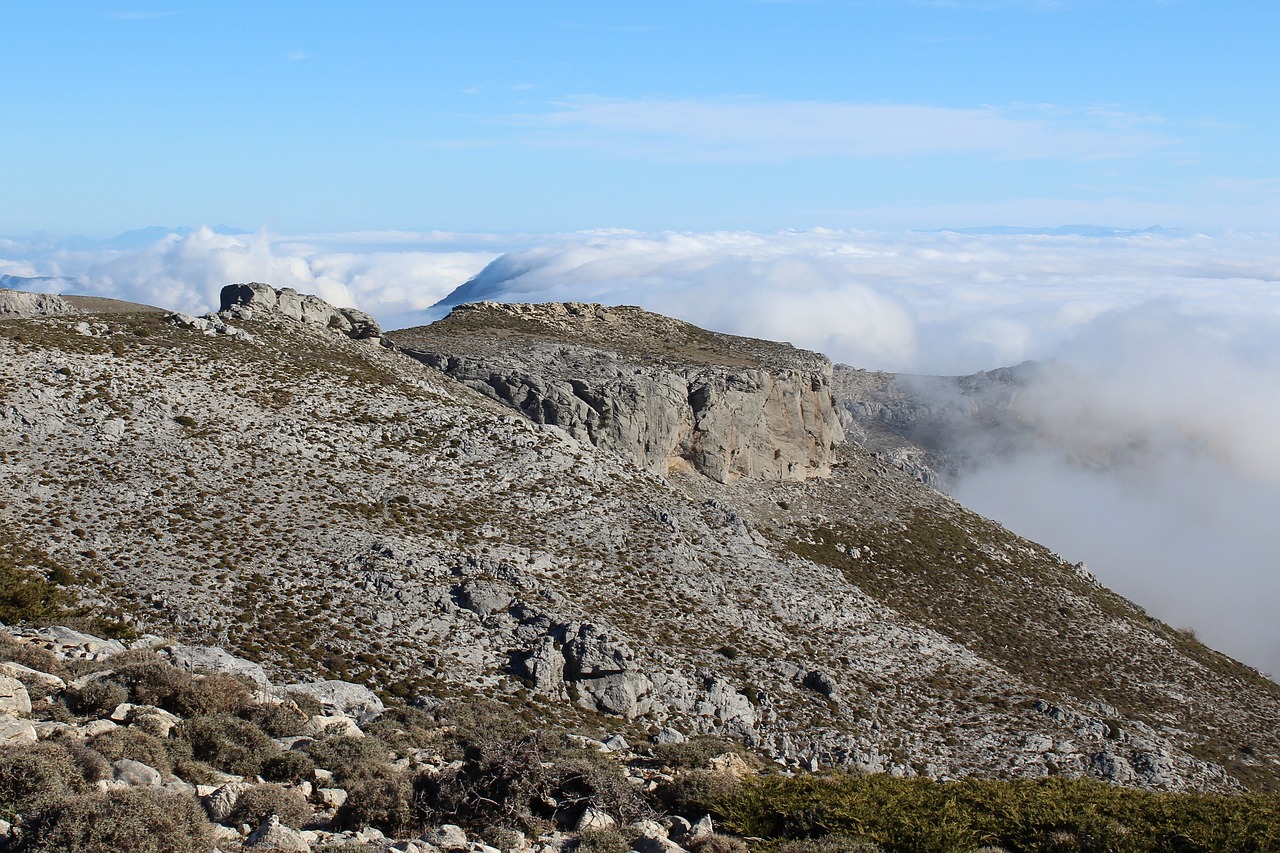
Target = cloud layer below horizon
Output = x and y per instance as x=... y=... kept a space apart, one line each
x=1171 y=343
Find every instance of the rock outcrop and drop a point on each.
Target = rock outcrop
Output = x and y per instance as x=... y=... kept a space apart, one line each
x=243 y=301
x=667 y=395
x=17 y=303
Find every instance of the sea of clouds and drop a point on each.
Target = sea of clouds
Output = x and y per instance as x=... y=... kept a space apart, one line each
x=1160 y=464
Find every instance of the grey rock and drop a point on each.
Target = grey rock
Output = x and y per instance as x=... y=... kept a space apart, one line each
x=135 y=773
x=31 y=677
x=447 y=837
x=822 y=683
x=668 y=735
x=220 y=804
x=274 y=835
x=247 y=300
x=352 y=700
x=17 y=303
x=14 y=699
x=15 y=732
x=484 y=597
x=215 y=659
x=543 y=666
x=751 y=417
x=594 y=818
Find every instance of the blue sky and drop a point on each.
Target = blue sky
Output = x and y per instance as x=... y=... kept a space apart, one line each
x=733 y=114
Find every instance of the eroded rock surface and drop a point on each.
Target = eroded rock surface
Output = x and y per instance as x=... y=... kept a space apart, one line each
x=668 y=395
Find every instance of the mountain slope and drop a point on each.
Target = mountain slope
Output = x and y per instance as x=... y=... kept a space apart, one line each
x=326 y=504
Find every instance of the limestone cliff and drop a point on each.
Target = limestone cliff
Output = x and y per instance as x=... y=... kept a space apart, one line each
x=17 y=303
x=242 y=301
x=666 y=394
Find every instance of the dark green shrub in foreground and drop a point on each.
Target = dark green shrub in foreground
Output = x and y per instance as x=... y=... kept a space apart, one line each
x=227 y=743
x=140 y=820
x=350 y=758
x=385 y=802
x=134 y=745
x=37 y=777
x=511 y=783
x=921 y=816
x=256 y=804
x=291 y=766
x=95 y=697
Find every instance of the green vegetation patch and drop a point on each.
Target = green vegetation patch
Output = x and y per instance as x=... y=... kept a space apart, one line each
x=920 y=816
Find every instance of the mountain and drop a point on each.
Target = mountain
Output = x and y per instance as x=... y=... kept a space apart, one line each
x=588 y=512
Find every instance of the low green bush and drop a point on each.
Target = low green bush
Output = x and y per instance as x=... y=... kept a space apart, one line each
x=37 y=777
x=256 y=804
x=140 y=820
x=350 y=758
x=278 y=719
x=697 y=752
x=228 y=743
x=135 y=745
x=291 y=766
x=95 y=697
x=1056 y=814
x=512 y=782
x=385 y=802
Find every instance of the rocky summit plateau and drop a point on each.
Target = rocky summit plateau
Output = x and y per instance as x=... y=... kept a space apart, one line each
x=595 y=515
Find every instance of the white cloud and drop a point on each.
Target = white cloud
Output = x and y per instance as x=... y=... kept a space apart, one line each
x=748 y=130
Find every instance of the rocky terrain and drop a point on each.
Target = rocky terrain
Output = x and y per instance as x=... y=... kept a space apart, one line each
x=595 y=372
x=595 y=516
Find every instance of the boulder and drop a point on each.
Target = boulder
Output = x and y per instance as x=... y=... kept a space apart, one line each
x=594 y=818
x=352 y=700
x=15 y=732
x=273 y=835
x=135 y=773
x=31 y=677
x=14 y=699
x=248 y=300
x=215 y=659
x=18 y=303
x=446 y=837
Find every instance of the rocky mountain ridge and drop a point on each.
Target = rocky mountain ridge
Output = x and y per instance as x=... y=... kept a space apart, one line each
x=722 y=406
x=323 y=505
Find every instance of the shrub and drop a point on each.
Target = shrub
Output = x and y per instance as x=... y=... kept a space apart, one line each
x=36 y=777
x=256 y=804
x=385 y=802
x=1054 y=814
x=603 y=841
x=228 y=743
x=697 y=752
x=291 y=766
x=404 y=728
x=134 y=745
x=838 y=843
x=513 y=783
x=306 y=703
x=195 y=772
x=140 y=820
x=350 y=758
x=29 y=655
x=150 y=680
x=717 y=843
x=278 y=719
x=96 y=696
x=212 y=694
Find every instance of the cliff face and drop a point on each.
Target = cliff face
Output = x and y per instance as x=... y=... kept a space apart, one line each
x=659 y=392
x=243 y=301
x=17 y=303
